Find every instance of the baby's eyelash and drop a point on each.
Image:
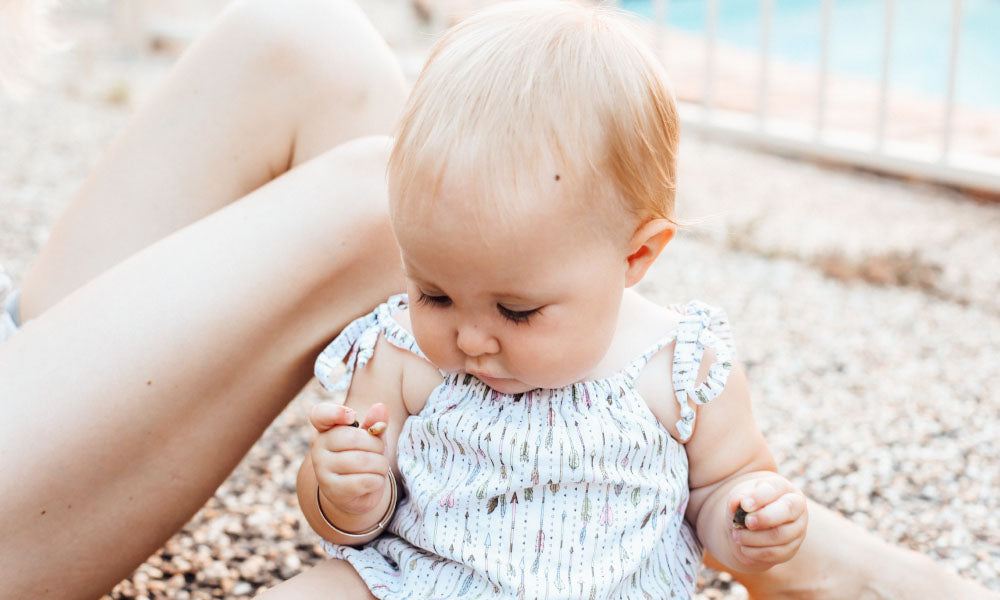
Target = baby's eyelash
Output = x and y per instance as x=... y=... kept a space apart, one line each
x=427 y=299
x=517 y=316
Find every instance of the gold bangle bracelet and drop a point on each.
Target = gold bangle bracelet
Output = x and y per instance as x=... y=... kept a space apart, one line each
x=393 y=495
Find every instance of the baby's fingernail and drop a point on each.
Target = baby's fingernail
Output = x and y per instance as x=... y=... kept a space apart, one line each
x=377 y=428
x=748 y=504
x=751 y=522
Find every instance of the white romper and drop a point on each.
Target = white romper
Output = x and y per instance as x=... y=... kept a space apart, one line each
x=577 y=492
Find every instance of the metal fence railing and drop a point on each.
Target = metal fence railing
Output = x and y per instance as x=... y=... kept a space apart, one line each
x=764 y=127
x=762 y=124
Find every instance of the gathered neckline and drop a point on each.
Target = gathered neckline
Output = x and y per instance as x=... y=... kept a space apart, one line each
x=701 y=326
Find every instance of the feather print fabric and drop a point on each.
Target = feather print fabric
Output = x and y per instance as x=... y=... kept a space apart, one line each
x=576 y=492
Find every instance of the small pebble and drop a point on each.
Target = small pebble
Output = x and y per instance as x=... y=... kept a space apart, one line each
x=740 y=518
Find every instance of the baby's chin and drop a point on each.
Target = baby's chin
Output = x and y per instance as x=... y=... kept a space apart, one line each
x=506 y=385
x=511 y=386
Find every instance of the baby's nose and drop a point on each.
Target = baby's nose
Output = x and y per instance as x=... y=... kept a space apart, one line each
x=475 y=341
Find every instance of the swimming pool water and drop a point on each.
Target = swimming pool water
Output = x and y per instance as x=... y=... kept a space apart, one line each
x=920 y=47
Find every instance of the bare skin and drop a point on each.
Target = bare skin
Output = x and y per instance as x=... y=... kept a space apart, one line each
x=840 y=560
x=240 y=245
x=269 y=89
x=144 y=370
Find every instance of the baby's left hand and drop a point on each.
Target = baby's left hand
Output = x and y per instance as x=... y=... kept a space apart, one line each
x=775 y=523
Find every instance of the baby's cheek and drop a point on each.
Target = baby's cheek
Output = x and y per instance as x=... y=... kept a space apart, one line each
x=434 y=341
x=553 y=365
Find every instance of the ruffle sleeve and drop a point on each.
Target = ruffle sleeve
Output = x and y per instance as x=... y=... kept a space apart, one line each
x=356 y=343
x=702 y=328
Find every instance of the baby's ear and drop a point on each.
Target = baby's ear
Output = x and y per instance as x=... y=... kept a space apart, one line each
x=647 y=242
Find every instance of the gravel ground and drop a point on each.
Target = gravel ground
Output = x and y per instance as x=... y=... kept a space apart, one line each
x=866 y=311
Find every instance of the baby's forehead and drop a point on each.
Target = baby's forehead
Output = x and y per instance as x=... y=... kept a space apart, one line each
x=495 y=192
x=544 y=199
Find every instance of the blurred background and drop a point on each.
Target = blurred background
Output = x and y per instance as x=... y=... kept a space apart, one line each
x=842 y=160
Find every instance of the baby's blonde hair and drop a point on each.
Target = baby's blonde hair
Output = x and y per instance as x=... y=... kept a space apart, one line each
x=525 y=84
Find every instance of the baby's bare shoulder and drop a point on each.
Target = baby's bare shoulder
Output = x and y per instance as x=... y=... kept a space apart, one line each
x=643 y=325
x=419 y=376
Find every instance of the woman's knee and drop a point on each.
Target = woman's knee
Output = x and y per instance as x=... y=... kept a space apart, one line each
x=340 y=74
x=302 y=37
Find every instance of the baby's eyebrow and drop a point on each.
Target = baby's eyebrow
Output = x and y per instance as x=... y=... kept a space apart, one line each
x=424 y=285
x=409 y=275
x=517 y=299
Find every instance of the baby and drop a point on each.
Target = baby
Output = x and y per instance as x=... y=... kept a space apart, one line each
x=550 y=433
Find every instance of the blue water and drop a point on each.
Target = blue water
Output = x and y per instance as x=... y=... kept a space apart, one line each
x=921 y=41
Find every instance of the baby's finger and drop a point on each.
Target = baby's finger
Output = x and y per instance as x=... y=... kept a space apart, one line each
x=763 y=492
x=325 y=415
x=353 y=462
x=785 y=509
x=340 y=439
x=775 y=536
x=376 y=419
x=770 y=554
x=738 y=493
x=343 y=490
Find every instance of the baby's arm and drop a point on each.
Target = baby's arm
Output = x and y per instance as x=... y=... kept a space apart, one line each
x=349 y=465
x=731 y=465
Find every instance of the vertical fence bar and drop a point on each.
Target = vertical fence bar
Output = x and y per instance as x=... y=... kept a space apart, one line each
x=660 y=16
x=949 y=102
x=883 y=92
x=824 y=66
x=766 y=8
x=712 y=9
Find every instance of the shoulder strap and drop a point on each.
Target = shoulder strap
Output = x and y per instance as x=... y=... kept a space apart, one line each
x=702 y=327
x=357 y=342
x=634 y=368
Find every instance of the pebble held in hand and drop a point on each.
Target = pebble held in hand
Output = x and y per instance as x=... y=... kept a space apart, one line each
x=740 y=518
x=376 y=428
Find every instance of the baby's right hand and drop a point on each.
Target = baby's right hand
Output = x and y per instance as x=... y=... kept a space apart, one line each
x=349 y=462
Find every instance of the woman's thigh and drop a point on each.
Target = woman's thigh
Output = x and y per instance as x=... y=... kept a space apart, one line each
x=272 y=85
x=128 y=403
x=329 y=579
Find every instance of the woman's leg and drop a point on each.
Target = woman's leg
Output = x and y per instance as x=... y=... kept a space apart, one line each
x=272 y=85
x=129 y=401
x=840 y=560
x=329 y=579
x=126 y=404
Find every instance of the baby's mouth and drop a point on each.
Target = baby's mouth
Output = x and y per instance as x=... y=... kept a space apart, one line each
x=489 y=380
x=482 y=375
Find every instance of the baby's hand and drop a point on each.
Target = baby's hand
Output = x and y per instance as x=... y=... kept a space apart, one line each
x=349 y=457
x=774 y=524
